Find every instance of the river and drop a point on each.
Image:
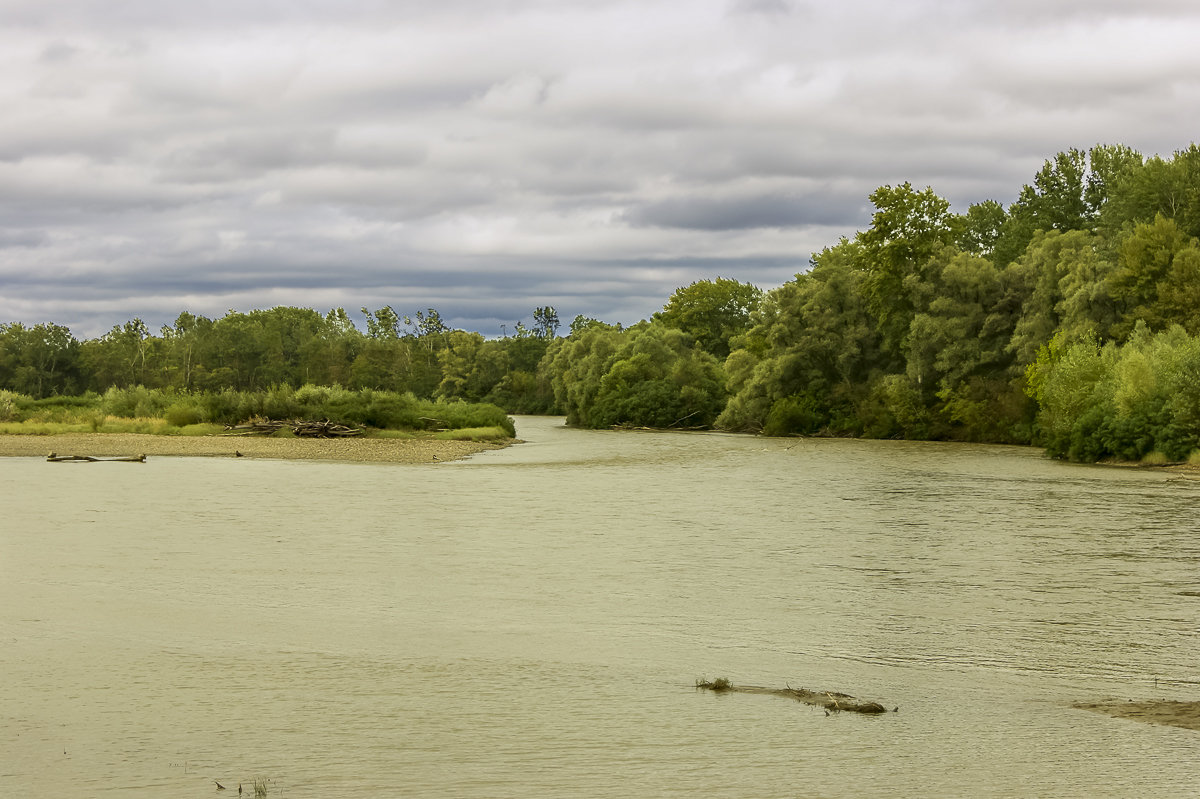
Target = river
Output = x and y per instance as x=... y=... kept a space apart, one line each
x=530 y=622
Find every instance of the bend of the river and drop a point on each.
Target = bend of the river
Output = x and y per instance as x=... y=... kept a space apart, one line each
x=530 y=622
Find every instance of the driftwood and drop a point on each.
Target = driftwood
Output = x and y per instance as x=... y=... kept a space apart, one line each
x=54 y=457
x=830 y=700
x=302 y=428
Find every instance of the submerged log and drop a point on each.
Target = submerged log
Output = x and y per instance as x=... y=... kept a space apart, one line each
x=830 y=700
x=54 y=457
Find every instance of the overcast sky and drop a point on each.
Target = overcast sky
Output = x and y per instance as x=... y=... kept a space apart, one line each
x=485 y=157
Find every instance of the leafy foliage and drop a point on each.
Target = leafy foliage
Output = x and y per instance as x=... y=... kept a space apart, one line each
x=649 y=375
x=712 y=312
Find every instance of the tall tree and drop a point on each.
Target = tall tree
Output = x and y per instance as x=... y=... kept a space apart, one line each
x=39 y=361
x=545 y=322
x=907 y=228
x=712 y=312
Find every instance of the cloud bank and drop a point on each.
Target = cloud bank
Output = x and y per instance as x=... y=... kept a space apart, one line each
x=485 y=158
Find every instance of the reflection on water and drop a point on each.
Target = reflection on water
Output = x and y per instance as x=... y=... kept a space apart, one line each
x=528 y=623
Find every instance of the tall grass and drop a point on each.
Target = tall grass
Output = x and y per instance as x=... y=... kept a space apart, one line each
x=473 y=434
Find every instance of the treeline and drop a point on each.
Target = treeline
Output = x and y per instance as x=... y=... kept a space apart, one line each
x=1070 y=319
x=256 y=351
x=979 y=326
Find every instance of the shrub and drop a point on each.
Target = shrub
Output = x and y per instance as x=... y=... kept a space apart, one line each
x=792 y=415
x=135 y=402
x=182 y=414
x=10 y=405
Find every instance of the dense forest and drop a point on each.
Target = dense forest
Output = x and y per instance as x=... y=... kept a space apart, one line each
x=1070 y=319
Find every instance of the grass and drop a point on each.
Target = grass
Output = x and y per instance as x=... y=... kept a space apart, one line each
x=107 y=424
x=394 y=434
x=1155 y=459
x=473 y=434
x=1194 y=458
x=197 y=430
x=464 y=434
x=719 y=684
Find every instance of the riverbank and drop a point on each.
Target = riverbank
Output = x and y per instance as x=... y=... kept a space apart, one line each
x=359 y=450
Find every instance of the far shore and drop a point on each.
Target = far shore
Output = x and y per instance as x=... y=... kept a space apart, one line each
x=356 y=450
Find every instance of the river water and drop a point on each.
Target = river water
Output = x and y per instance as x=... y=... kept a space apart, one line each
x=531 y=622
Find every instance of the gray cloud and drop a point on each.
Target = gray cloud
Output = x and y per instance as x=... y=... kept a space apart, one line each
x=487 y=158
x=758 y=211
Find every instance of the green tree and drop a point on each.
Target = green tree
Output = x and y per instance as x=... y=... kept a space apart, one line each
x=712 y=312
x=383 y=323
x=1146 y=257
x=287 y=334
x=40 y=361
x=907 y=228
x=1109 y=167
x=1124 y=401
x=574 y=367
x=980 y=228
x=1170 y=187
x=813 y=348
x=657 y=379
x=184 y=342
x=471 y=366
x=1053 y=261
x=1067 y=193
x=545 y=322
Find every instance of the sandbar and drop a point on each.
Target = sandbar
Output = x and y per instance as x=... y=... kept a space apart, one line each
x=356 y=450
x=1171 y=712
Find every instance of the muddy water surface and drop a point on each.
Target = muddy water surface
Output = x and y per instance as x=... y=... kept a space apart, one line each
x=530 y=622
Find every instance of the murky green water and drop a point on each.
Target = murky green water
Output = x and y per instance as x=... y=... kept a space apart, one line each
x=529 y=623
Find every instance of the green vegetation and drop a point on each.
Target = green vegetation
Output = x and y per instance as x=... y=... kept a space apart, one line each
x=1069 y=319
x=168 y=412
x=1137 y=401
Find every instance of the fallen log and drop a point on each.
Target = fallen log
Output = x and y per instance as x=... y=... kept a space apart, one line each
x=54 y=457
x=830 y=700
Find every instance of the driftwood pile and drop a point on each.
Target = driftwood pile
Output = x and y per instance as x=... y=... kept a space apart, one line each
x=304 y=428
x=830 y=700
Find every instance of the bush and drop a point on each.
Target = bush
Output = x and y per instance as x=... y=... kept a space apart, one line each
x=384 y=410
x=460 y=415
x=792 y=415
x=10 y=405
x=182 y=414
x=134 y=403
